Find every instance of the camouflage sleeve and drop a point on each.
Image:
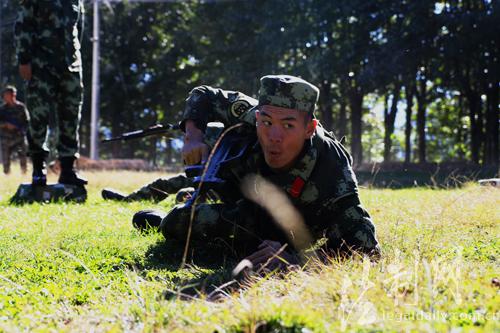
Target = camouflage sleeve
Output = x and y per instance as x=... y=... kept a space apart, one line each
x=25 y=31
x=206 y=104
x=350 y=227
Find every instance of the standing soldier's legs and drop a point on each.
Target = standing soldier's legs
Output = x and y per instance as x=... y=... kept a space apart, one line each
x=40 y=100
x=69 y=105
x=6 y=155
x=159 y=189
x=15 y=145
x=23 y=152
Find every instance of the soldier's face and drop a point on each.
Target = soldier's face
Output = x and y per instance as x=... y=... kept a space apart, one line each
x=282 y=133
x=8 y=97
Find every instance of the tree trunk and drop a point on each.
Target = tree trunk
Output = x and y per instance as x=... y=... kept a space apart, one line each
x=152 y=153
x=386 y=130
x=474 y=101
x=421 y=119
x=471 y=91
x=491 y=142
x=356 y=105
x=461 y=135
x=342 y=123
x=326 y=105
x=116 y=129
x=389 y=120
x=342 y=120
x=168 y=152
x=409 y=110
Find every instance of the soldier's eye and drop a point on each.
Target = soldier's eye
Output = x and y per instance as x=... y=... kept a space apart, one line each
x=266 y=123
x=288 y=126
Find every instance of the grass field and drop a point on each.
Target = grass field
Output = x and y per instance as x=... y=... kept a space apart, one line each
x=82 y=267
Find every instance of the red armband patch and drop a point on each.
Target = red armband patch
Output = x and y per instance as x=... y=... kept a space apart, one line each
x=297 y=186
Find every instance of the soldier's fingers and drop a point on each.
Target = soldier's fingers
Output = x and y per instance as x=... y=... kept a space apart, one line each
x=187 y=159
x=191 y=156
x=185 y=156
x=271 y=263
x=204 y=153
x=255 y=255
x=264 y=255
x=262 y=245
x=270 y=243
x=196 y=157
x=258 y=254
x=274 y=264
x=261 y=259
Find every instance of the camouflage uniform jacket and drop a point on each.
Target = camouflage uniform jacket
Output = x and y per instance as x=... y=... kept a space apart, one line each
x=48 y=30
x=16 y=115
x=321 y=185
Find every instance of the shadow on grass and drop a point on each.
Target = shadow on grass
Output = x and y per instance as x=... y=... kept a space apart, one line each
x=271 y=326
x=207 y=267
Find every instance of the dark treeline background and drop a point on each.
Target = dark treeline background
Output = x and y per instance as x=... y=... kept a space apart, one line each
x=435 y=63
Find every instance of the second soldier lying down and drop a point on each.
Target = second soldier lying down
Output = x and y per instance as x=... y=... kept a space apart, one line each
x=161 y=188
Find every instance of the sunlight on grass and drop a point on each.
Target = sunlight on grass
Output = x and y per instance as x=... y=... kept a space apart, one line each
x=83 y=267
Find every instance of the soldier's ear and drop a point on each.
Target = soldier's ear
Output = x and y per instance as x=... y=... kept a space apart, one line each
x=311 y=127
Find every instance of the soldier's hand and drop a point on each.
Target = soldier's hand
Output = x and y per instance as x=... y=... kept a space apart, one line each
x=8 y=126
x=194 y=150
x=271 y=255
x=11 y=126
x=25 y=71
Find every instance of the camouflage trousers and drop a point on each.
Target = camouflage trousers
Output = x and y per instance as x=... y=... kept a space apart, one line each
x=54 y=97
x=160 y=189
x=241 y=227
x=11 y=145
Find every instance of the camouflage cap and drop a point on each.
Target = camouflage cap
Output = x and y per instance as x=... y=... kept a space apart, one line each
x=288 y=92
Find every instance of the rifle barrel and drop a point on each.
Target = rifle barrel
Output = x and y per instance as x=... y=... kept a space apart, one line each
x=154 y=130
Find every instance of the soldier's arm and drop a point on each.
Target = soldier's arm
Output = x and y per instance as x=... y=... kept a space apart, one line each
x=25 y=31
x=350 y=227
x=25 y=116
x=206 y=104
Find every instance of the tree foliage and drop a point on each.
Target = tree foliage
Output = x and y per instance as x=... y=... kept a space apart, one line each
x=436 y=61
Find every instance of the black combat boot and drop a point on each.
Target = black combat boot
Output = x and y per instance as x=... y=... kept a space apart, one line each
x=146 y=219
x=39 y=177
x=68 y=173
x=110 y=194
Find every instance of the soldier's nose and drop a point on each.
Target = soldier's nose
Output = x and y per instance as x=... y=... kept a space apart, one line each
x=275 y=134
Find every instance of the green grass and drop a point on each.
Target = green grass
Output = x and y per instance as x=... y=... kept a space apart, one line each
x=82 y=267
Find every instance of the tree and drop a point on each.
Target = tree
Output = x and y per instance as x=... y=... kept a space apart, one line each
x=145 y=71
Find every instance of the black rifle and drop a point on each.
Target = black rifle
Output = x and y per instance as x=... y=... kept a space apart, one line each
x=230 y=146
x=157 y=129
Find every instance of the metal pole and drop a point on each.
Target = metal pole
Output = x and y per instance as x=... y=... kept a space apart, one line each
x=1 y=33
x=1 y=76
x=94 y=119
